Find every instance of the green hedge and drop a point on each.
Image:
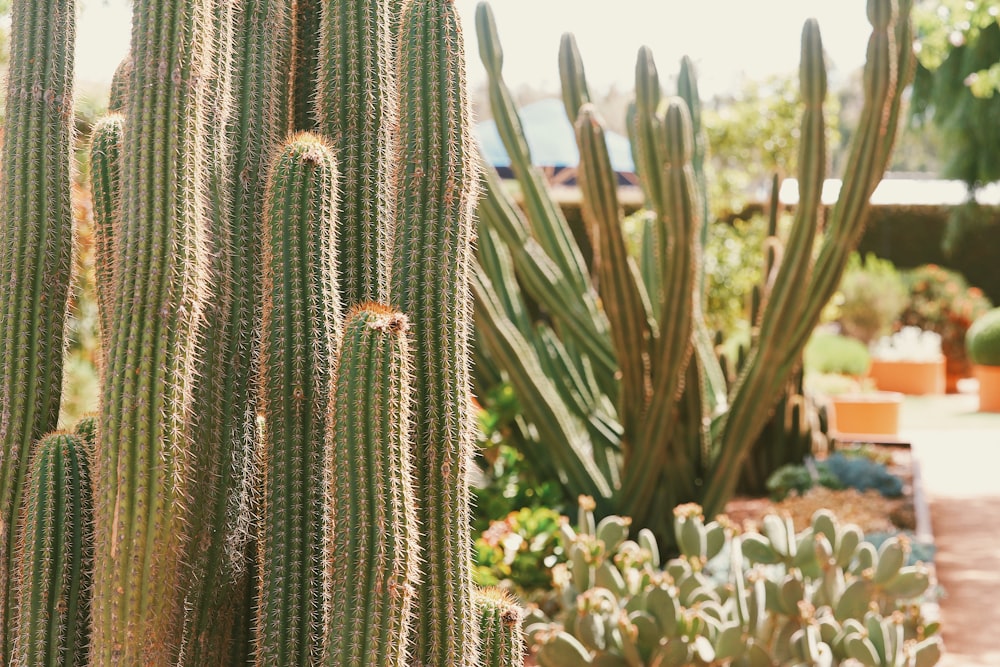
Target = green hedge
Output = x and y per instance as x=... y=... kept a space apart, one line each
x=912 y=235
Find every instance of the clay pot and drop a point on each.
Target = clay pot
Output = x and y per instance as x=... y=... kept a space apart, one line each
x=871 y=413
x=909 y=377
x=989 y=387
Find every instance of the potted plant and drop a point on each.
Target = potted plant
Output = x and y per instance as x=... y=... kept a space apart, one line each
x=870 y=298
x=856 y=410
x=909 y=361
x=941 y=301
x=983 y=346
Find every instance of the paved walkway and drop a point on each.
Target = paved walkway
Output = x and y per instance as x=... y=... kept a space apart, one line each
x=959 y=454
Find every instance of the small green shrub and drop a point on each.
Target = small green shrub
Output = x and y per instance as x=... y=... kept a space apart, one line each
x=832 y=353
x=520 y=550
x=870 y=298
x=838 y=471
x=983 y=339
x=733 y=261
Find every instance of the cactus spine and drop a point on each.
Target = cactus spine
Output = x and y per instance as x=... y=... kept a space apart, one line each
x=499 y=628
x=371 y=526
x=300 y=318
x=56 y=549
x=35 y=242
x=356 y=110
x=106 y=190
x=148 y=473
x=430 y=283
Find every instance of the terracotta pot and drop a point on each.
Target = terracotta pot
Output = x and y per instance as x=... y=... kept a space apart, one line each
x=989 y=387
x=873 y=413
x=909 y=377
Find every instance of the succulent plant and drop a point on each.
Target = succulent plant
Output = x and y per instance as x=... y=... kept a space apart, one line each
x=819 y=597
x=982 y=340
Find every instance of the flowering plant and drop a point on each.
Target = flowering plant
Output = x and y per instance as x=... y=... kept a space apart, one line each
x=941 y=301
x=908 y=344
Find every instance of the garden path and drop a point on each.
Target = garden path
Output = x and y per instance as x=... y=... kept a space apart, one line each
x=959 y=452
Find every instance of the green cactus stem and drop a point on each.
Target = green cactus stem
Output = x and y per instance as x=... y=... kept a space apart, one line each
x=56 y=549
x=500 y=638
x=106 y=190
x=219 y=618
x=430 y=283
x=305 y=67
x=149 y=474
x=120 y=82
x=356 y=109
x=35 y=242
x=372 y=531
x=299 y=328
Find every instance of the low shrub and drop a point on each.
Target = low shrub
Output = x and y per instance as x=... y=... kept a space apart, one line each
x=828 y=352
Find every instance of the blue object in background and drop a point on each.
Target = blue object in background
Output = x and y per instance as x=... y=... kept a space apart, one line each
x=551 y=140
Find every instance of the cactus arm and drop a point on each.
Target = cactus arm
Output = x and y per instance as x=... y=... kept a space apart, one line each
x=35 y=249
x=565 y=443
x=372 y=532
x=120 y=82
x=495 y=259
x=548 y=223
x=548 y=284
x=617 y=275
x=105 y=175
x=299 y=320
x=356 y=108
x=575 y=92
x=647 y=103
x=56 y=548
x=500 y=620
x=437 y=179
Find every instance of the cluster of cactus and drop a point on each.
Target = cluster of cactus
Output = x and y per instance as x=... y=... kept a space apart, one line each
x=278 y=473
x=623 y=396
x=823 y=596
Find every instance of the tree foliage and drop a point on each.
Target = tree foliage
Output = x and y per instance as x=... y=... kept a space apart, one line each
x=957 y=84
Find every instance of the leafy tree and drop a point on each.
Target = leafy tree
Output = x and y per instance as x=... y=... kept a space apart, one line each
x=957 y=84
x=754 y=134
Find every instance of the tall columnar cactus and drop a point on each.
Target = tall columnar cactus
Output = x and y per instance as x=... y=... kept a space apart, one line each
x=499 y=628
x=35 y=242
x=220 y=618
x=430 y=283
x=147 y=474
x=372 y=531
x=53 y=580
x=356 y=109
x=671 y=433
x=301 y=315
x=106 y=190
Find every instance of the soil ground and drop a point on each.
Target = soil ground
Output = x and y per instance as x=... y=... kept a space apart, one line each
x=959 y=451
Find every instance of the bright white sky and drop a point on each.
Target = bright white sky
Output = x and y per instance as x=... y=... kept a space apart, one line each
x=727 y=39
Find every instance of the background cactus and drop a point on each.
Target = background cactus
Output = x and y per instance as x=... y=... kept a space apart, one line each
x=35 y=243
x=53 y=581
x=372 y=530
x=670 y=430
x=106 y=190
x=301 y=319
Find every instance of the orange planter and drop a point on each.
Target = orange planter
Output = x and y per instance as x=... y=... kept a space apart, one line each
x=989 y=387
x=909 y=377
x=875 y=413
